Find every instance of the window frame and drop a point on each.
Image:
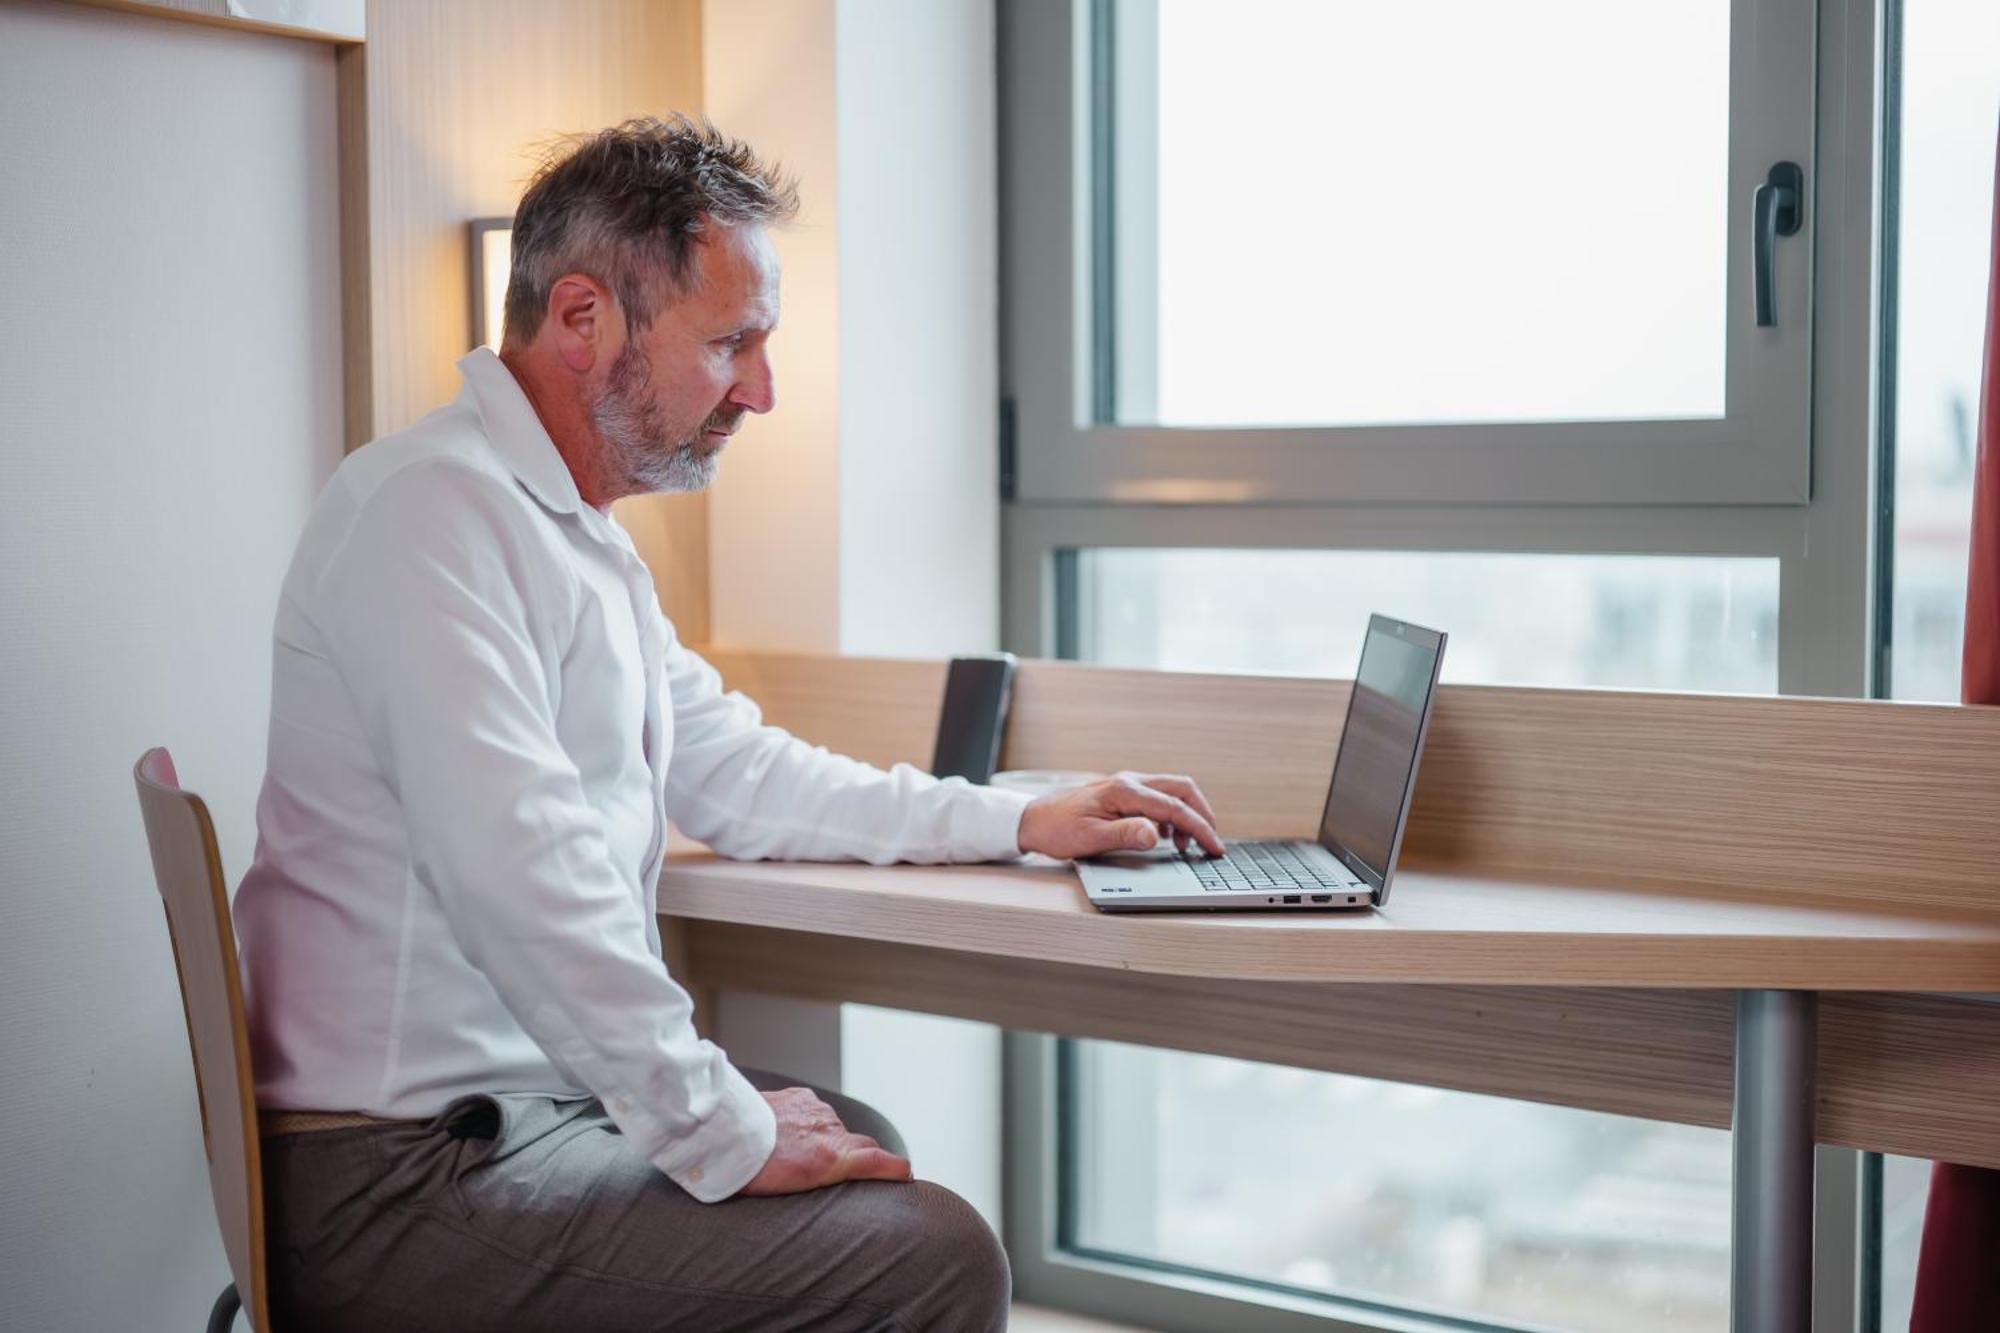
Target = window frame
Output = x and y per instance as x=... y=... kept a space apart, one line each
x=1064 y=360
x=1846 y=1233
x=1826 y=603
x=1062 y=492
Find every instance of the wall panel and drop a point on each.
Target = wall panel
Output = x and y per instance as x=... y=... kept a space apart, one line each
x=452 y=100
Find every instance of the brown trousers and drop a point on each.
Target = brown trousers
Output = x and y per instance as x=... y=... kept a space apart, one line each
x=512 y=1213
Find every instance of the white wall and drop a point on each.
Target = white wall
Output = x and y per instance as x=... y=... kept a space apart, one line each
x=919 y=328
x=862 y=516
x=774 y=526
x=169 y=404
x=919 y=465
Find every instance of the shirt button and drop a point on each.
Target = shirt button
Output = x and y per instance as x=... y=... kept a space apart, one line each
x=695 y=1174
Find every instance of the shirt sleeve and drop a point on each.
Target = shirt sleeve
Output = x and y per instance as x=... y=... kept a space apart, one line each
x=438 y=611
x=753 y=792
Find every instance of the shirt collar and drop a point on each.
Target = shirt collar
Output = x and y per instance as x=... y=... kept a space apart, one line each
x=517 y=433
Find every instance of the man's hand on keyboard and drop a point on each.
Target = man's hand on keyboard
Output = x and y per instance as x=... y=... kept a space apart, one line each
x=1128 y=812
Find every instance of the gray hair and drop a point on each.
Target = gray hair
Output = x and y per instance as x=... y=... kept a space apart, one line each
x=626 y=206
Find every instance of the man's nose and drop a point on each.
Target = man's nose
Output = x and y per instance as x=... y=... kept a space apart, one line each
x=758 y=390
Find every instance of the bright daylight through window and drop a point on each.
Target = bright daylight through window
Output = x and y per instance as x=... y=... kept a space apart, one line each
x=1394 y=260
x=1944 y=212
x=1420 y=1198
x=1636 y=622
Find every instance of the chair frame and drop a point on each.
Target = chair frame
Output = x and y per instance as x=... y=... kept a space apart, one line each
x=187 y=865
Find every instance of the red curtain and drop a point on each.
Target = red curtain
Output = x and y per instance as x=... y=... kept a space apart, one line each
x=1982 y=589
x=1958 y=1270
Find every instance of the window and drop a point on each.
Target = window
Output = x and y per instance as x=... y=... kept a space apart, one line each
x=1442 y=277
x=1950 y=89
x=1446 y=310
x=1292 y=250
x=1588 y=1221
x=1904 y=1188
x=1947 y=57
x=1621 y=621
x=1419 y=264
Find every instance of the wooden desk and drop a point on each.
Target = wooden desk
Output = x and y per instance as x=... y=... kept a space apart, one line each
x=1721 y=911
x=1515 y=990
x=1436 y=929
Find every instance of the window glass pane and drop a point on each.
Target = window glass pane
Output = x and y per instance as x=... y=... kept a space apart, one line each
x=1643 y=622
x=1407 y=1196
x=1951 y=93
x=1446 y=211
x=1944 y=208
x=1584 y=1221
x=1906 y=1188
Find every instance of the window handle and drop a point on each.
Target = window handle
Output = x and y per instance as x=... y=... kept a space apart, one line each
x=1776 y=210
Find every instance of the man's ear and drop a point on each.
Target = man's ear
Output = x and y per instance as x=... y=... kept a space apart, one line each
x=583 y=321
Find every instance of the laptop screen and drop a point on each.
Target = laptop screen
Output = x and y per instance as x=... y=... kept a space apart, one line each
x=1376 y=766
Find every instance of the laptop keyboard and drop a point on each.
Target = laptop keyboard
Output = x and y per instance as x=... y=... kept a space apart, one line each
x=1268 y=865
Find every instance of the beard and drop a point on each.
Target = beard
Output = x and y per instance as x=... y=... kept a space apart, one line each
x=634 y=425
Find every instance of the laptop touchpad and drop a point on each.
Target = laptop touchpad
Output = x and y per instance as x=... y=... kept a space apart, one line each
x=1163 y=853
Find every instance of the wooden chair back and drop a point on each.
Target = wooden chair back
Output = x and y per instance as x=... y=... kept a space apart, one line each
x=188 y=867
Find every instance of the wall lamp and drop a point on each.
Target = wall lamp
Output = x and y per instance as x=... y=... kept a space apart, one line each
x=492 y=251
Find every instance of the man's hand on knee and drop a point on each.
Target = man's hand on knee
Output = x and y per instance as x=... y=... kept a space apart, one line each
x=815 y=1150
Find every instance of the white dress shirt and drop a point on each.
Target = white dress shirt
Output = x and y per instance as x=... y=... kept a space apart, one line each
x=480 y=724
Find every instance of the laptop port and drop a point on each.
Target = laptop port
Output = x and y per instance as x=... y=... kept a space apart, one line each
x=1291 y=897
x=1322 y=897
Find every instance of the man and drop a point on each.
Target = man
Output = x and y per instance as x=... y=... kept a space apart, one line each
x=485 y=1105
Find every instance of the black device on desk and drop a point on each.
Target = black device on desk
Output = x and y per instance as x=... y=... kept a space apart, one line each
x=1360 y=832
x=976 y=690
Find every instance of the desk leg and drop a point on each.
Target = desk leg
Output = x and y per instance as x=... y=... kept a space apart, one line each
x=1771 y=1231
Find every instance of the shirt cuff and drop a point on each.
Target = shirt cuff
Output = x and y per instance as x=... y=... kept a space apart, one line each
x=987 y=827
x=728 y=1149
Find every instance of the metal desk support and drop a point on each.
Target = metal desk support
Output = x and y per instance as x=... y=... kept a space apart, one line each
x=1771 y=1230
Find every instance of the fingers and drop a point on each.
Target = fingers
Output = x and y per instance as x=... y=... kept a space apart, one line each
x=814 y=1149
x=1136 y=834
x=1175 y=784
x=872 y=1163
x=1098 y=836
x=856 y=1156
x=1132 y=796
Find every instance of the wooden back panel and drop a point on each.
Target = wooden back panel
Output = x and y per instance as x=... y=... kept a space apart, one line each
x=188 y=868
x=1773 y=798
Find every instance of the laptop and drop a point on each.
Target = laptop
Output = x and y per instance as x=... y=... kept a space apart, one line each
x=1360 y=832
